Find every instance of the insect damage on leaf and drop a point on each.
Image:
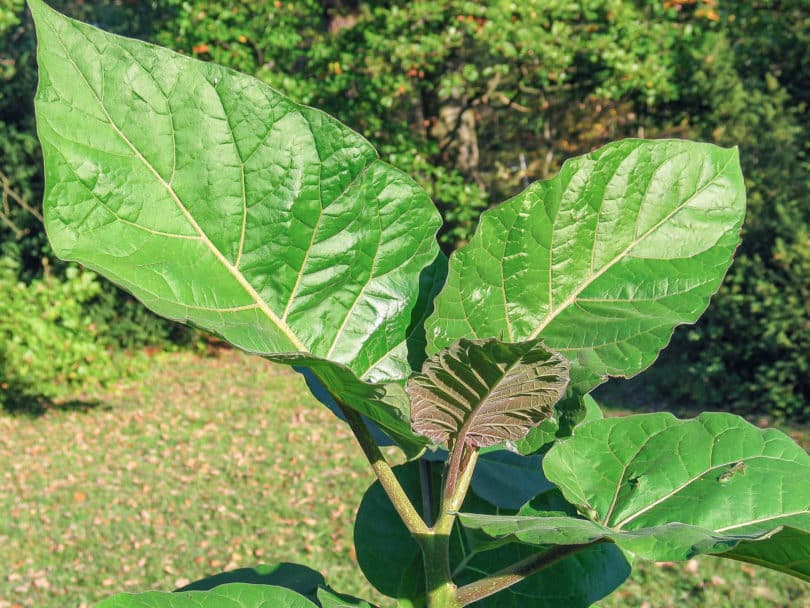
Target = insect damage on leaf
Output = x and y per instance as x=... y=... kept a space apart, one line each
x=734 y=469
x=483 y=392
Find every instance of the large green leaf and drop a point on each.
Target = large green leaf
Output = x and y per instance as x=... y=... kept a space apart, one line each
x=219 y=202
x=699 y=485
x=234 y=595
x=603 y=260
x=484 y=392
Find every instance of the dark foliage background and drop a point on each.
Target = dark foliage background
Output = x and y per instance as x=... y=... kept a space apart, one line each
x=476 y=100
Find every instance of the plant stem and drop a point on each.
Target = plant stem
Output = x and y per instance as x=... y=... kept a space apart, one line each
x=517 y=572
x=439 y=585
x=454 y=497
x=441 y=590
x=385 y=475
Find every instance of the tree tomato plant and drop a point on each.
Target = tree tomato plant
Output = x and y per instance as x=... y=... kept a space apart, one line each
x=220 y=203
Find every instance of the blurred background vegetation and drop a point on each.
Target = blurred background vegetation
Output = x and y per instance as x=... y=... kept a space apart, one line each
x=476 y=101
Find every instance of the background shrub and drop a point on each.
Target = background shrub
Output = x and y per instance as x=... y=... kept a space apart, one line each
x=49 y=343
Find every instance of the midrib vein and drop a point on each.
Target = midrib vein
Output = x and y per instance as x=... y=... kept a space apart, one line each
x=232 y=270
x=620 y=256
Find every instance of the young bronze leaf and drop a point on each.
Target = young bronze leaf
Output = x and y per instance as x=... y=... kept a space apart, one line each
x=483 y=392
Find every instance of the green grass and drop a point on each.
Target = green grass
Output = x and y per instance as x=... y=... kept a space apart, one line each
x=210 y=464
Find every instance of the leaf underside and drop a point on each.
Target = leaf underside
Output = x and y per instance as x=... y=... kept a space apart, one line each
x=219 y=202
x=668 y=489
x=601 y=261
x=484 y=392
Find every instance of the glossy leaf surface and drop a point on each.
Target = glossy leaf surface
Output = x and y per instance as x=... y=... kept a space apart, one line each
x=483 y=392
x=715 y=473
x=234 y=595
x=603 y=260
x=219 y=202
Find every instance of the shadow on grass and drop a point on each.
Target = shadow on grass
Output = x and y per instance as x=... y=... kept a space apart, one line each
x=18 y=399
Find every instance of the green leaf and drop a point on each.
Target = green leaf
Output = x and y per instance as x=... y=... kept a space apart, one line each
x=234 y=595
x=575 y=582
x=392 y=562
x=220 y=203
x=386 y=403
x=540 y=436
x=508 y=480
x=570 y=411
x=484 y=392
x=788 y=551
x=593 y=411
x=689 y=486
x=603 y=260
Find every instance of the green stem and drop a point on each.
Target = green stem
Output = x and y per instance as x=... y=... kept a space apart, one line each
x=517 y=572
x=439 y=585
x=385 y=475
x=441 y=590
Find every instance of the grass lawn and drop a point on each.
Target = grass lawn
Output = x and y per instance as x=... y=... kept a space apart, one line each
x=211 y=464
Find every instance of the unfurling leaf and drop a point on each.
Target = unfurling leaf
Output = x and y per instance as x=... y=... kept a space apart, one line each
x=483 y=392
